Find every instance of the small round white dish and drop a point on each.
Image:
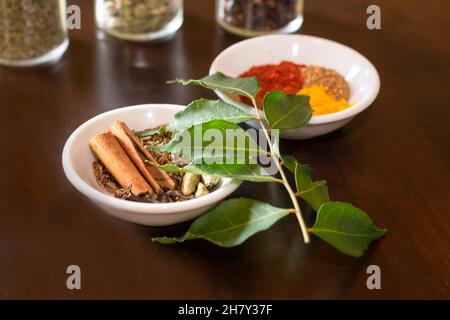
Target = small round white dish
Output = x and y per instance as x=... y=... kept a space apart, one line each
x=359 y=72
x=77 y=159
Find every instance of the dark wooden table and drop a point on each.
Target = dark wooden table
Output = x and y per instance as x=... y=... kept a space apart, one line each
x=393 y=161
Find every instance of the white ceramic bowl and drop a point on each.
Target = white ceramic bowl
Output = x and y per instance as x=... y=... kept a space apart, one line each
x=361 y=75
x=77 y=161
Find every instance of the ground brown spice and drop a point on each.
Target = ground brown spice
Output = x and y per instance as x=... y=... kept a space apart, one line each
x=331 y=80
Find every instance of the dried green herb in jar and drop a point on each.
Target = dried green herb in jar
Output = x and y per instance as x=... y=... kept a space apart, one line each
x=260 y=15
x=30 y=29
x=136 y=16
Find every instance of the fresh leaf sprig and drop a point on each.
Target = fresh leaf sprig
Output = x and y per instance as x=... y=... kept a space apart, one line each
x=342 y=225
x=234 y=221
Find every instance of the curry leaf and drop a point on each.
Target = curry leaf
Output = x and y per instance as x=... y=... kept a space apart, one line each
x=315 y=193
x=216 y=141
x=231 y=223
x=345 y=227
x=286 y=111
x=203 y=110
x=246 y=172
x=206 y=134
x=150 y=132
x=218 y=81
x=275 y=136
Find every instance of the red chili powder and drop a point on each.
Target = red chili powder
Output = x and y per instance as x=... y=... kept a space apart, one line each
x=285 y=76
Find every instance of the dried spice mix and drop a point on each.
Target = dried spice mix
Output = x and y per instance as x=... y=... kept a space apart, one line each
x=327 y=89
x=30 y=29
x=283 y=76
x=136 y=16
x=126 y=168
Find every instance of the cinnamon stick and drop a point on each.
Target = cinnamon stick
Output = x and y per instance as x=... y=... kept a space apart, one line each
x=109 y=151
x=137 y=152
x=128 y=145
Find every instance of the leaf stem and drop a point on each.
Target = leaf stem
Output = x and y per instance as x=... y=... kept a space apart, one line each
x=286 y=184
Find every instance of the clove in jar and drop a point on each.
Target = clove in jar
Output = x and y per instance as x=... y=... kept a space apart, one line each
x=32 y=32
x=249 y=18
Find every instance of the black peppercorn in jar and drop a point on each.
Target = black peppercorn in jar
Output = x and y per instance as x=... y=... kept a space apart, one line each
x=250 y=18
x=32 y=32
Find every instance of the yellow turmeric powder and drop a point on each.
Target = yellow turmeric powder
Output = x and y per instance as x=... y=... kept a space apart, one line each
x=321 y=102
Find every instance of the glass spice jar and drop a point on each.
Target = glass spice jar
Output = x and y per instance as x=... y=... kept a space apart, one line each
x=139 y=20
x=32 y=32
x=249 y=18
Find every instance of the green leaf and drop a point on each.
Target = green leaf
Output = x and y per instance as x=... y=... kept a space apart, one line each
x=286 y=111
x=218 y=81
x=203 y=110
x=216 y=141
x=345 y=227
x=150 y=132
x=275 y=135
x=231 y=223
x=315 y=193
x=246 y=172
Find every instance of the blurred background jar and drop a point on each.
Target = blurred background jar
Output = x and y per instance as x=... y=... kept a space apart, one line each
x=139 y=20
x=32 y=32
x=249 y=18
